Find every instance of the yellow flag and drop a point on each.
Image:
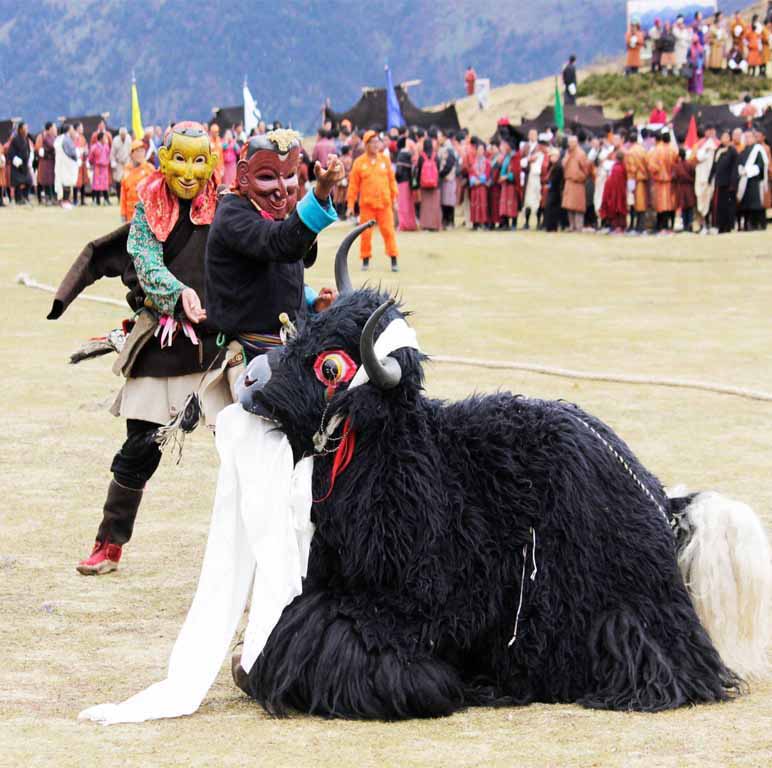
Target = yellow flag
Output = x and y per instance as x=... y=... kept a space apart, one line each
x=136 y=115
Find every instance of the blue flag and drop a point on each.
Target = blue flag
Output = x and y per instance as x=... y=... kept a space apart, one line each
x=394 y=117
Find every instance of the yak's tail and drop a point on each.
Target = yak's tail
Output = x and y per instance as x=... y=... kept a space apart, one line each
x=724 y=557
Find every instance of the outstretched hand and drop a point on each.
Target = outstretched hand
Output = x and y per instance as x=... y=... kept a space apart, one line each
x=191 y=305
x=328 y=177
x=325 y=299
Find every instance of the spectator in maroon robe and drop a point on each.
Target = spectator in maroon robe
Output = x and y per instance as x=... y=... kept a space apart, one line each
x=46 y=156
x=614 y=206
x=683 y=187
x=325 y=146
x=494 y=185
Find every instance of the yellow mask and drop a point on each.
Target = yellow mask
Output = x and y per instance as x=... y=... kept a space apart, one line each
x=187 y=160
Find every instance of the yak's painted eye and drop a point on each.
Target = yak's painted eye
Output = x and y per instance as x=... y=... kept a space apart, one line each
x=332 y=368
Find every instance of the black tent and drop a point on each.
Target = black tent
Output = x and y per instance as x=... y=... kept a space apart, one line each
x=227 y=117
x=6 y=128
x=90 y=123
x=719 y=116
x=370 y=112
x=586 y=117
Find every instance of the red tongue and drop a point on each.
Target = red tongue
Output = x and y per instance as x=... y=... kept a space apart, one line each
x=343 y=455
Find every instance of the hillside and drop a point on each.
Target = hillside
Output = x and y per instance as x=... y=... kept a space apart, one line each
x=62 y=57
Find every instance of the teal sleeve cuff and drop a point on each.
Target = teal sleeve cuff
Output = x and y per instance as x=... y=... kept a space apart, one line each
x=311 y=296
x=314 y=215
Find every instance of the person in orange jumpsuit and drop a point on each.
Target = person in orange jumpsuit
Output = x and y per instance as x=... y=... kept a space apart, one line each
x=137 y=170
x=372 y=181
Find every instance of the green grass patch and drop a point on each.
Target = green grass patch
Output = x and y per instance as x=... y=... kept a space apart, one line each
x=640 y=92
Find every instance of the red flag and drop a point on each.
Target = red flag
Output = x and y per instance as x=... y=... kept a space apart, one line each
x=691 y=134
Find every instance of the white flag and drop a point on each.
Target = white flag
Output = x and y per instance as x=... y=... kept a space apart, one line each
x=251 y=113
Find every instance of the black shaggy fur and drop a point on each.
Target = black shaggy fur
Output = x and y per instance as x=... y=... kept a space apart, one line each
x=415 y=567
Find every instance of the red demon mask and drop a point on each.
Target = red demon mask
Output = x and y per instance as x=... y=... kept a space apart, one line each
x=267 y=172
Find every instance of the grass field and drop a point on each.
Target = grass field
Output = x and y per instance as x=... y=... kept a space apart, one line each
x=681 y=306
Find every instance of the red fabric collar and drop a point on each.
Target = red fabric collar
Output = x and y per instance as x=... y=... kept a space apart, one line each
x=162 y=207
x=343 y=455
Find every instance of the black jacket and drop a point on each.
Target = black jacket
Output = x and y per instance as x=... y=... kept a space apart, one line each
x=753 y=199
x=254 y=268
x=404 y=166
x=724 y=170
x=19 y=148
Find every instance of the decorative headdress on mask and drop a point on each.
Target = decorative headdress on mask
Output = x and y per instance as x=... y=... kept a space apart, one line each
x=267 y=172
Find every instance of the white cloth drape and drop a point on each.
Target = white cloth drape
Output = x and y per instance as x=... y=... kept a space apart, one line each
x=259 y=536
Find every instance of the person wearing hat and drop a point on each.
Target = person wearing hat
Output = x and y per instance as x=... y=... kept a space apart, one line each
x=137 y=170
x=372 y=182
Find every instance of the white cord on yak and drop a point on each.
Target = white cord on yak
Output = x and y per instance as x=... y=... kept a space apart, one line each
x=615 y=378
x=522 y=582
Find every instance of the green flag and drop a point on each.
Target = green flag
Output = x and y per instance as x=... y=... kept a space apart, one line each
x=560 y=120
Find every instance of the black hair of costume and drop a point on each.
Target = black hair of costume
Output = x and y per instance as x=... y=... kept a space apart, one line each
x=416 y=566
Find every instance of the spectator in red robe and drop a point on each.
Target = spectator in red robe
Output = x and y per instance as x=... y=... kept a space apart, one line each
x=469 y=80
x=614 y=206
x=479 y=178
x=658 y=115
x=509 y=176
x=494 y=187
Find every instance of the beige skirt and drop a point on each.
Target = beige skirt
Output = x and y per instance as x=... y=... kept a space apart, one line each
x=159 y=400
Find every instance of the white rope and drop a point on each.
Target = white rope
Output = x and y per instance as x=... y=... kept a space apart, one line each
x=24 y=279
x=513 y=639
x=616 y=378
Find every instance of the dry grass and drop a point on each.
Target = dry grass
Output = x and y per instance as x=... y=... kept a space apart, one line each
x=521 y=100
x=681 y=306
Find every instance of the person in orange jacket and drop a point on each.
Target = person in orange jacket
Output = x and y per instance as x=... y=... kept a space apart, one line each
x=372 y=181
x=137 y=170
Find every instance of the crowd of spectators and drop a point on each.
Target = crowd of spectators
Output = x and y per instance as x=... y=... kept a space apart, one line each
x=633 y=181
x=689 y=47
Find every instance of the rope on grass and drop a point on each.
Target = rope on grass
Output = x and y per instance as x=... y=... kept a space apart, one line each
x=615 y=378
x=24 y=279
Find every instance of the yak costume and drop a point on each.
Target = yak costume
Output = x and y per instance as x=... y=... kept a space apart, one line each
x=497 y=550
x=165 y=358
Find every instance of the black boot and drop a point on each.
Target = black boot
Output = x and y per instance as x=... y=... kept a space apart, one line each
x=119 y=514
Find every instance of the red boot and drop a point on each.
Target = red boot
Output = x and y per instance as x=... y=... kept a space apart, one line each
x=104 y=559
